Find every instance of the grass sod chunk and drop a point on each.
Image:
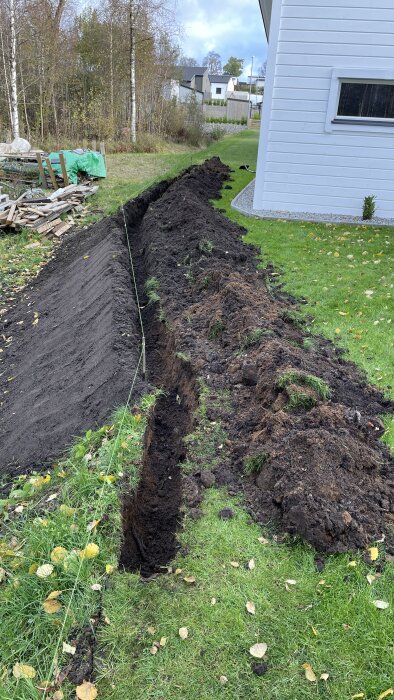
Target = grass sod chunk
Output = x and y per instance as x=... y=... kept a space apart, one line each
x=253 y=464
x=304 y=390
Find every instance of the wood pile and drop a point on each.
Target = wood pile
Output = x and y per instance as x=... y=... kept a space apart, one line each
x=43 y=215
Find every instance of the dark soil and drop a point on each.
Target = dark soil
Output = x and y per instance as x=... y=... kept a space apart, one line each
x=319 y=472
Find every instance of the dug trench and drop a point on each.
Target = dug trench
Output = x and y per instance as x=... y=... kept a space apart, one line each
x=302 y=426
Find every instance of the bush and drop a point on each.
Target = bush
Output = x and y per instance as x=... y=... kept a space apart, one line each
x=369 y=207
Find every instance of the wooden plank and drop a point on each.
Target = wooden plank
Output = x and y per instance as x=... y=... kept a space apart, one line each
x=51 y=174
x=63 y=167
x=94 y=145
x=47 y=226
x=41 y=171
x=11 y=213
x=59 y=230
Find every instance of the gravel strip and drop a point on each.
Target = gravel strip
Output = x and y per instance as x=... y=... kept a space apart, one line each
x=243 y=203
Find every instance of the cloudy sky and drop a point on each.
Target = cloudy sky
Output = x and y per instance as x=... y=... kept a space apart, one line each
x=229 y=27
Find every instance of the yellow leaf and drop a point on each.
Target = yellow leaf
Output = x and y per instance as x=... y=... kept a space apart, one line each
x=107 y=478
x=352 y=563
x=33 y=568
x=223 y=680
x=336 y=254
x=137 y=417
x=309 y=673
x=86 y=691
x=44 y=570
x=380 y=604
x=324 y=676
x=151 y=629
x=67 y=510
x=358 y=695
x=68 y=649
x=250 y=607
x=258 y=651
x=23 y=671
x=51 y=606
x=163 y=641
x=189 y=580
x=183 y=632
x=386 y=693
x=154 y=648
x=58 y=695
x=109 y=568
x=213 y=601
x=337 y=331
x=235 y=564
x=54 y=595
x=373 y=553
x=124 y=445
x=252 y=564
x=92 y=525
x=91 y=550
x=263 y=540
x=314 y=630
x=58 y=554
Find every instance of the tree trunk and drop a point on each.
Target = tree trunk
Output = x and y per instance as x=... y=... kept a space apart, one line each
x=7 y=89
x=14 y=89
x=133 y=115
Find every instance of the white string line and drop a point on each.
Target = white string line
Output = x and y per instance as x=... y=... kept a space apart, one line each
x=141 y=357
x=89 y=535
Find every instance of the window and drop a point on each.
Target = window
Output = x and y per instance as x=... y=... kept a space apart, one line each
x=368 y=100
x=218 y=91
x=361 y=100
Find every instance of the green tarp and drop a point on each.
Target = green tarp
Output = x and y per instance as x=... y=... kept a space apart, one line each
x=89 y=162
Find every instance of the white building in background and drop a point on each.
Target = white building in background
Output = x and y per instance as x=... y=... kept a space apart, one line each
x=327 y=134
x=222 y=86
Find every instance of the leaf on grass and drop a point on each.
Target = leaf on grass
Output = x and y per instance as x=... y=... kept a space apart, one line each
x=96 y=586
x=151 y=630
x=90 y=551
x=358 y=695
x=109 y=568
x=52 y=497
x=189 y=580
x=68 y=649
x=92 y=525
x=252 y=565
x=44 y=570
x=373 y=553
x=51 y=606
x=154 y=648
x=58 y=554
x=352 y=563
x=386 y=693
x=213 y=601
x=23 y=671
x=263 y=540
x=223 y=680
x=67 y=510
x=250 y=607
x=258 y=651
x=314 y=631
x=381 y=604
x=291 y=581
x=58 y=695
x=107 y=478
x=54 y=595
x=324 y=676
x=371 y=578
x=177 y=572
x=309 y=673
x=163 y=641
x=33 y=568
x=235 y=564
x=2 y=574
x=183 y=632
x=86 y=691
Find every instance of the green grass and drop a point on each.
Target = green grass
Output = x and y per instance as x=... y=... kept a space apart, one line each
x=293 y=381
x=333 y=626
x=19 y=263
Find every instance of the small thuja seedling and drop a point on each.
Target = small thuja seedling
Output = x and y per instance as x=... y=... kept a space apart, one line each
x=369 y=207
x=151 y=287
x=206 y=246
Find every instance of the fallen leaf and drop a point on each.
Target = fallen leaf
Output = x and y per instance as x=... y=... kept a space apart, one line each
x=96 y=587
x=263 y=540
x=54 y=595
x=380 y=604
x=314 y=631
x=183 y=632
x=352 y=563
x=154 y=648
x=86 y=691
x=92 y=525
x=309 y=673
x=373 y=553
x=51 y=606
x=109 y=568
x=90 y=551
x=258 y=651
x=33 y=568
x=358 y=695
x=107 y=478
x=386 y=693
x=58 y=695
x=213 y=601
x=58 y=554
x=52 y=497
x=44 y=570
x=252 y=564
x=371 y=578
x=23 y=671
x=68 y=649
x=291 y=582
x=189 y=580
x=19 y=509
x=177 y=572
x=324 y=676
x=235 y=564
x=67 y=510
x=163 y=641
x=250 y=607
x=151 y=630
x=223 y=680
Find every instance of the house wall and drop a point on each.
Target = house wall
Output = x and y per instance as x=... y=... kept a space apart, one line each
x=186 y=94
x=302 y=166
x=223 y=93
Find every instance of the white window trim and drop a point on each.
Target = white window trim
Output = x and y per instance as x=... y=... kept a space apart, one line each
x=335 y=123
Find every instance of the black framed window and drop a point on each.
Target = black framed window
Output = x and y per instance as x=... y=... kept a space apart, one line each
x=367 y=100
x=218 y=91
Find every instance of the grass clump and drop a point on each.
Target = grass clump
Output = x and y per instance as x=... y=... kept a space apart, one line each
x=216 y=329
x=206 y=246
x=206 y=443
x=252 y=338
x=151 y=286
x=304 y=390
x=253 y=464
x=369 y=207
x=293 y=317
x=184 y=356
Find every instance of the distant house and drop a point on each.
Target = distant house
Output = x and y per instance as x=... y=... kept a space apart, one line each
x=327 y=134
x=181 y=92
x=194 y=77
x=221 y=86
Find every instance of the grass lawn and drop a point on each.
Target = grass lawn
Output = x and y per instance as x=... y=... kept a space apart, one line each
x=327 y=619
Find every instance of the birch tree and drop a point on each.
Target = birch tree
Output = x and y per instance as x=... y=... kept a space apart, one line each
x=13 y=73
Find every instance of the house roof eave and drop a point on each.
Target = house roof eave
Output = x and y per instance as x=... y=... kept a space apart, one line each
x=266 y=9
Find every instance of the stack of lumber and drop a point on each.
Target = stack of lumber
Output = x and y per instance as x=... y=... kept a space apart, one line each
x=43 y=215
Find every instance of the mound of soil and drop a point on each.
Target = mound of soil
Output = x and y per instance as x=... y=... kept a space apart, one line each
x=320 y=470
